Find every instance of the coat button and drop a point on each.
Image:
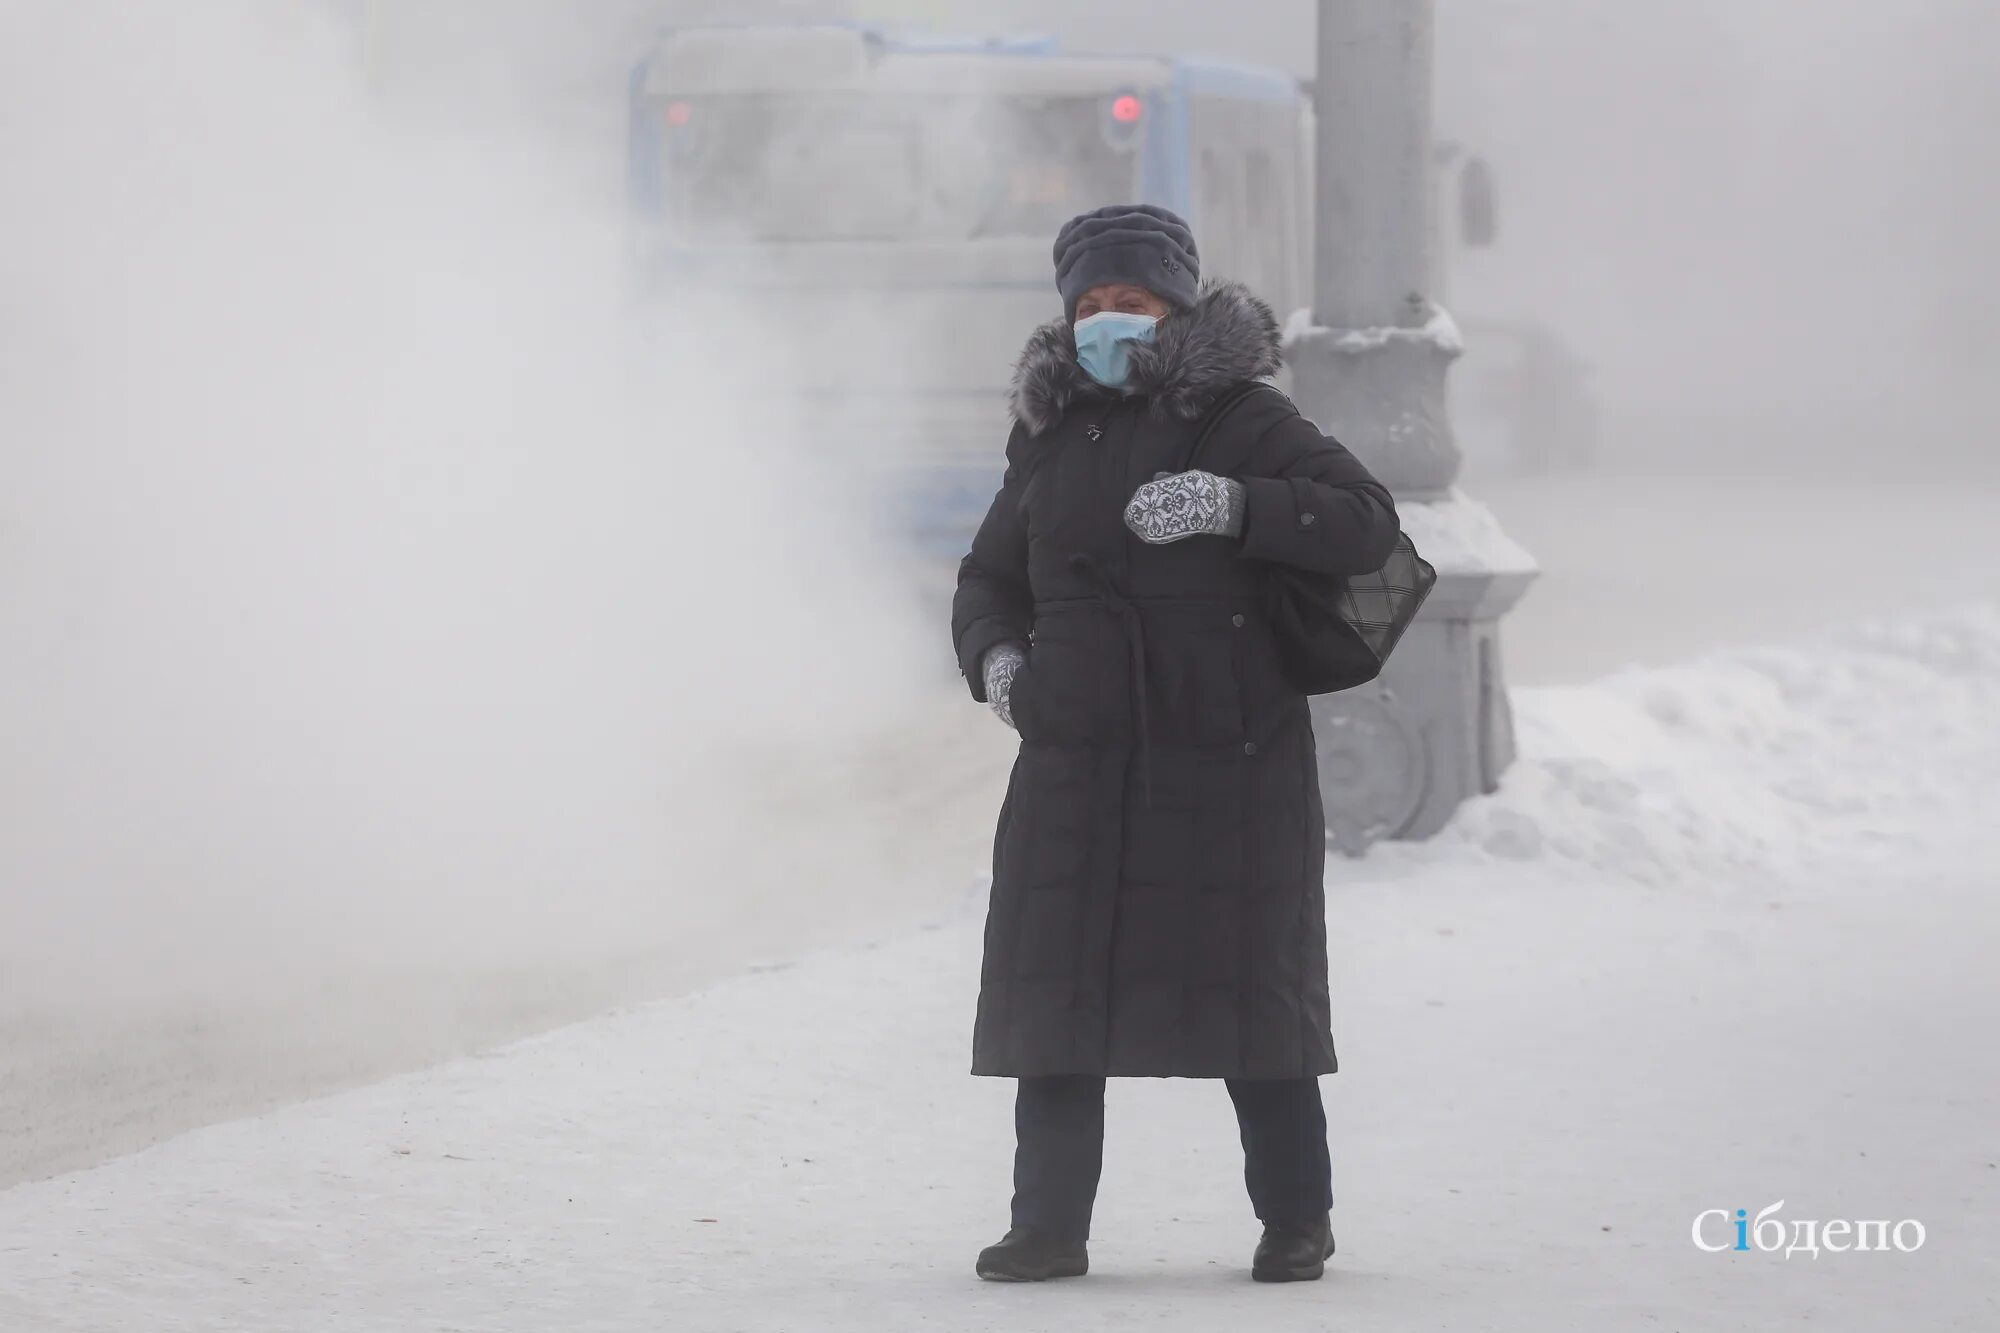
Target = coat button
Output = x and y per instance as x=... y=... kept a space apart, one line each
x=1249 y=747
x=1237 y=620
x=1305 y=520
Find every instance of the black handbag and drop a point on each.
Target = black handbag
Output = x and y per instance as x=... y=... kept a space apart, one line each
x=1334 y=631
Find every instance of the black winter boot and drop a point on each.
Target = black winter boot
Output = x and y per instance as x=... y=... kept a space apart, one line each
x=1027 y=1255
x=1292 y=1253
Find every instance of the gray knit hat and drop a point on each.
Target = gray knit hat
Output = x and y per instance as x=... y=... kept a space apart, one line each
x=1137 y=243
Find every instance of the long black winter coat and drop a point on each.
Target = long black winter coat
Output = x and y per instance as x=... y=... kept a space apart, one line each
x=1157 y=904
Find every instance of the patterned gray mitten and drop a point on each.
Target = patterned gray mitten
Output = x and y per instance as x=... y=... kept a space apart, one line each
x=1002 y=660
x=1186 y=504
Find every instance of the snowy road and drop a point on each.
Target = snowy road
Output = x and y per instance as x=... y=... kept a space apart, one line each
x=1725 y=941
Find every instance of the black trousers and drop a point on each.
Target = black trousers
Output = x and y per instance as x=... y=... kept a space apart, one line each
x=1059 y=1150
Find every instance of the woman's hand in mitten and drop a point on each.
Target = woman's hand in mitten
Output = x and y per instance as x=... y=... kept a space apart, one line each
x=1186 y=504
x=1002 y=660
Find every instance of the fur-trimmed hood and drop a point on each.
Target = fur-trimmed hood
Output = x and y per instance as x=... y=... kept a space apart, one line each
x=1227 y=336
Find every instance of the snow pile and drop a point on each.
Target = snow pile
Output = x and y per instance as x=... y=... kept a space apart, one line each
x=1439 y=330
x=1759 y=761
x=1461 y=535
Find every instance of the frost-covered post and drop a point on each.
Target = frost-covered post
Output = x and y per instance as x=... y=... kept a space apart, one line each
x=1369 y=363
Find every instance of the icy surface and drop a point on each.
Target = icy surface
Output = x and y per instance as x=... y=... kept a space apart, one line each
x=1724 y=939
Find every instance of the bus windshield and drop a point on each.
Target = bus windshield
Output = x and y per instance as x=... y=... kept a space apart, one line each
x=829 y=166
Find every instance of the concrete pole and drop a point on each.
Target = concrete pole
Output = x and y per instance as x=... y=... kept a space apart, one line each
x=1374 y=270
x=1398 y=757
x=1373 y=250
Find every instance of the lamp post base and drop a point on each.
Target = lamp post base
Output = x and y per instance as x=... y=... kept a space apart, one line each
x=1398 y=757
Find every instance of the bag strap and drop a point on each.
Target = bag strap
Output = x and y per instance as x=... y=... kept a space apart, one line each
x=1218 y=413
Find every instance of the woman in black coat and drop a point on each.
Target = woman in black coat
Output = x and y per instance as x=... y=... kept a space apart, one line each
x=1157 y=906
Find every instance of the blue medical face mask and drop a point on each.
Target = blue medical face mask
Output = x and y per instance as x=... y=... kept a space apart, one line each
x=1103 y=344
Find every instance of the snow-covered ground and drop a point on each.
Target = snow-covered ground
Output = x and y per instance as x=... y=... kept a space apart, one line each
x=1724 y=940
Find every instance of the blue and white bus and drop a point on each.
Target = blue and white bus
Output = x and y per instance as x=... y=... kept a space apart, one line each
x=905 y=191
